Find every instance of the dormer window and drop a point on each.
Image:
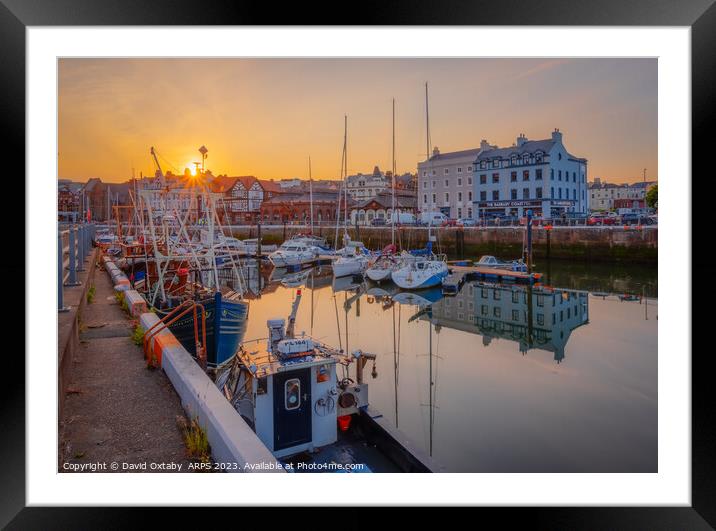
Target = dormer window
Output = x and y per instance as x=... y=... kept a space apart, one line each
x=483 y=164
x=538 y=157
x=496 y=163
x=514 y=160
x=525 y=159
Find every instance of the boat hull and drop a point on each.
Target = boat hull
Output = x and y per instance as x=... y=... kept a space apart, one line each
x=344 y=268
x=225 y=328
x=378 y=274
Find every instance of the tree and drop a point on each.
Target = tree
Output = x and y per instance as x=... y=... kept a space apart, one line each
x=652 y=196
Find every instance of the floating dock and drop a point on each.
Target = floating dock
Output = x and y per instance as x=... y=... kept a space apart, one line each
x=461 y=273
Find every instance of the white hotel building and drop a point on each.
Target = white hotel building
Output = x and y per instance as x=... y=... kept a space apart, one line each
x=531 y=174
x=445 y=182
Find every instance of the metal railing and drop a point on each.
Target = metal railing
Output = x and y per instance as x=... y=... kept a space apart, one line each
x=74 y=244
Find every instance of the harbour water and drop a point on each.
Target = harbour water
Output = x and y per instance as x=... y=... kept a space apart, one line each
x=499 y=378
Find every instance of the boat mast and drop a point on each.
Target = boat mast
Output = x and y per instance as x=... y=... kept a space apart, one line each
x=392 y=206
x=310 y=190
x=342 y=185
x=427 y=150
x=345 y=176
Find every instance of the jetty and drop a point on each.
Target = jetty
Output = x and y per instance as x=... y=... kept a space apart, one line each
x=459 y=274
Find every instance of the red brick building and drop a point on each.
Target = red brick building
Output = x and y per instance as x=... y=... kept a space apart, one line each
x=295 y=207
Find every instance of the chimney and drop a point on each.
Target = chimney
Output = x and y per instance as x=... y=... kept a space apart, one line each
x=484 y=145
x=436 y=151
x=521 y=139
x=556 y=135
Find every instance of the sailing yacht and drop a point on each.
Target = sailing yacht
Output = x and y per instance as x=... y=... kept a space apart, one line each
x=353 y=260
x=427 y=271
x=382 y=267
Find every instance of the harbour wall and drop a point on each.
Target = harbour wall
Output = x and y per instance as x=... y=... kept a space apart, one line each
x=593 y=244
x=232 y=441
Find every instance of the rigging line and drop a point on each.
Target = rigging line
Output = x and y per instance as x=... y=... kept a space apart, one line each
x=338 y=322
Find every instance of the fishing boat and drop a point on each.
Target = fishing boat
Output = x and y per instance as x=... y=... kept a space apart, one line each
x=287 y=389
x=490 y=261
x=226 y=320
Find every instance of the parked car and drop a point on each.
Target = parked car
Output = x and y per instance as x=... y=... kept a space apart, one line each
x=602 y=220
x=378 y=222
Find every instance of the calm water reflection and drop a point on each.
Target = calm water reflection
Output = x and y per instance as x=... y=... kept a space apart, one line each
x=500 y=378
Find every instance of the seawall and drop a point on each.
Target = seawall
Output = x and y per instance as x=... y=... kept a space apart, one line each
x=594 y=244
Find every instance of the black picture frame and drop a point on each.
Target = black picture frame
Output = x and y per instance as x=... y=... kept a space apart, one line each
x=699 y=15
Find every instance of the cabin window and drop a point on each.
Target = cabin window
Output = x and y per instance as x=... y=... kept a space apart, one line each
x=292 y=394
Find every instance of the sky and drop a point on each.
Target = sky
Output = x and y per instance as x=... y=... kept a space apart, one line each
x=265 y=117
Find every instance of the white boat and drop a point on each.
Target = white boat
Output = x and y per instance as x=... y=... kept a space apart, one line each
x=353 y=260
x=421 y=273
x=492 y=262
x=292 y=253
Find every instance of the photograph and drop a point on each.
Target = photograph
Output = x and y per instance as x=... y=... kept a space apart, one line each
x=379 y=265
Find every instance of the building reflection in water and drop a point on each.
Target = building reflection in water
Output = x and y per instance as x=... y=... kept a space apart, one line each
x=535 y=317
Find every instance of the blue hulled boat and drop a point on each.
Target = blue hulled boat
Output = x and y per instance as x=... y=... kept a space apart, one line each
x=226 y=320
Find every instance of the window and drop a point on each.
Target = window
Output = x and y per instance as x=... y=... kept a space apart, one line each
x=483 y=164
x=434 y=173
x=483 y=195
x=551 y=175
x=539 y=193
x=469 y=196
x=525 y=193
x=574 y=176
x=483 y=309
x=425 y=174
x=515 y=315
x=513 y=176
x=540 y=319
x=574 y=194
x=469 y=215
x=459 y=213
x=483 y=179
x=447 y=183
x=513 y=193
x=425 y=185
x=552 y=194
x=459 y=198
x=497 y=311
x=559 y=175
x=514 y=160
x=559 y=156
x=447 y=197
x=560 y=192
x=515 y=297
x=292 y=394
x=434 y=198
x=496 y=163
x=495 y=195
x=459 y=169
x=469 y=181
x=538 y=157
x=459 y=182
x=469 y=168
x=526 y=175
x=447 y=170
x=496 y=294
x=425 y=198
x=538 y=174
x=483 y=293
x=495 y=177
x=525 y=159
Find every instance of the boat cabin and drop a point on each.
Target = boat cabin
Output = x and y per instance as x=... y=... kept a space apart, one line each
x=286 y=388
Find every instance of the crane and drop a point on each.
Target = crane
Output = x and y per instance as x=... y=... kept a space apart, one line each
x=156 y=161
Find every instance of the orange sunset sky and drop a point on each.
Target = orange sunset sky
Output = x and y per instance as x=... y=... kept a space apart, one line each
x=264 y=117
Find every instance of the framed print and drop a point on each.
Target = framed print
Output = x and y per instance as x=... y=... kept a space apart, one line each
x=420 y=264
